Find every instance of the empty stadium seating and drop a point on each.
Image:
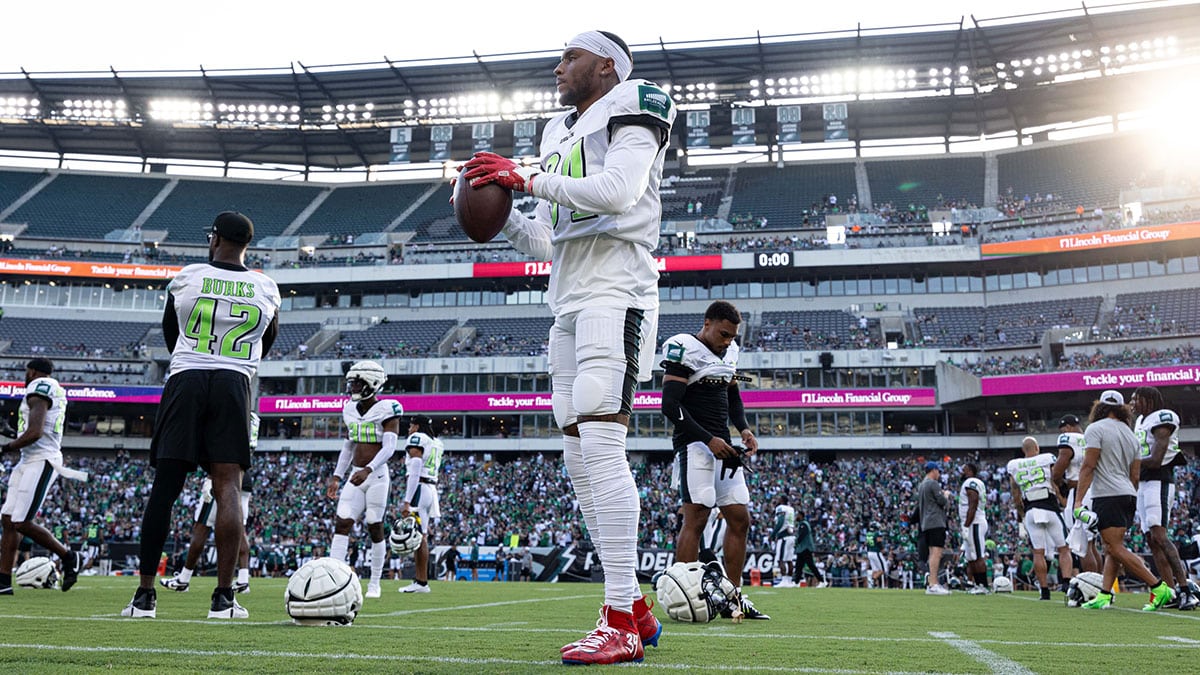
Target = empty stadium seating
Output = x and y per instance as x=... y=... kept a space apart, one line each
x=815 y=329
x=397 y=338
x=707 y=187
x=13 y=184
x=69 y=337
x=1012 y=324
x=355 y=209
x=433 y=220
x=920 y=181
x=524 y=336
x=780 y=194
x=84 y=206
x=1155 y=313
x=191 y=206
x=290 y=336
x=1088 y=173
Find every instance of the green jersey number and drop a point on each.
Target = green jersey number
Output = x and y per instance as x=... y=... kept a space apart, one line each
x=572 y=166
x=1028 y=478
x=199 y=327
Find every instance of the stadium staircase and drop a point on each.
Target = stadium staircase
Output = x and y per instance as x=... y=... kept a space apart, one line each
x=862 y=183
x=154 y=204
x=26 y=196
x=308 y=211
x=412 y=208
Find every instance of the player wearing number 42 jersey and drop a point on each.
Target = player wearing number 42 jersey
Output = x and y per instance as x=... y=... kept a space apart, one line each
x=597 y=221
x=220 y=318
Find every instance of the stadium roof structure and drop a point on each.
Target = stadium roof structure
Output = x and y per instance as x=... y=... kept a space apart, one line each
x=964 y=80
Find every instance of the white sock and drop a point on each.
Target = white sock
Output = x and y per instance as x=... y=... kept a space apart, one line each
x=337 y=550
x=617 y=508
x=577 y=470
x=378 y=558
x=185 y=575
x=243 y=576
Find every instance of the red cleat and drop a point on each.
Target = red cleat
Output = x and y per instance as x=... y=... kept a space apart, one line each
x=649 y=627
x=615 y=640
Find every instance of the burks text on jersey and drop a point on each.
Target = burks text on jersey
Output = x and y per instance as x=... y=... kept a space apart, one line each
x=239 y=289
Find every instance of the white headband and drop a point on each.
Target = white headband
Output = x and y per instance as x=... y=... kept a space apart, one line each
x=600 y=45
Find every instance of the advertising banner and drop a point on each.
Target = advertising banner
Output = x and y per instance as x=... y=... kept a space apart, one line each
x=1124 y=378
x=1094 y=240
x=93 y=270
x=532 y=268
x=517 y=403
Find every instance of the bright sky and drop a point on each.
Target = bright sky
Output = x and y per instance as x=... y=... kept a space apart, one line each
x=166 y=34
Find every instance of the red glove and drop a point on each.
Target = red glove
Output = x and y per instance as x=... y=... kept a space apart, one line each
x=488 y=167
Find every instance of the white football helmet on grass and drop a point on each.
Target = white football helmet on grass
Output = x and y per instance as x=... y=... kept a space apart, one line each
x=694 y=592
x=324 y=592
x=1002 y=585
x=38 y=572
x=1084 y=587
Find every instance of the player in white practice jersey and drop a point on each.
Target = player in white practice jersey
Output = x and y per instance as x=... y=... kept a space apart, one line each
x=1157 y=431
x=219 y=319
x=1039 y=511
x=423 y=467
x=1065 y=474
x=783 y=533
x=972 y=500
x=43 y=414
x=372 y=434
x=598 y=221
x=701 y=399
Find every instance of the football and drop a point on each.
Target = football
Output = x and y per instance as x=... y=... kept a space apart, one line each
x=481 y=211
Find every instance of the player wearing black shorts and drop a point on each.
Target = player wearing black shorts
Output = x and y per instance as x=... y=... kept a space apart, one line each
x=219 y=320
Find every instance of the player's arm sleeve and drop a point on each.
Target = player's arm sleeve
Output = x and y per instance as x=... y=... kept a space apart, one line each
x=531 y=236
x=737 y=410
x=270 y=334
x=673 y=409
x=344 y=458
x=413 y=465
x=618 y=187
x=386 y=450
x=170 y=324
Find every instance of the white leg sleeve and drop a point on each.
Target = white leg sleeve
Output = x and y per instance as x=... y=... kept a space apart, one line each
x=341 y=543
x=617 y=508
x=378 y=558
x=573 y=458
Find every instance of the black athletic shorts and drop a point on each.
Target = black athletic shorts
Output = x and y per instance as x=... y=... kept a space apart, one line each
x=1114 y=511
x=935 y=537
x=204 y=417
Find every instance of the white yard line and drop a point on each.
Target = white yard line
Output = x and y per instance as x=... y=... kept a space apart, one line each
x=400 y=658
x=995 y=662
x=1176 y=638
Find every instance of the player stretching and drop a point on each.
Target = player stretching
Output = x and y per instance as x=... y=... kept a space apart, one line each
x=701 y=398
x=598 y=221
x=373 y=428
x=206 y=519
x=424 y=460
x=1156 y=429
x=39 y=440
x=972 y=497
x=1039 y=512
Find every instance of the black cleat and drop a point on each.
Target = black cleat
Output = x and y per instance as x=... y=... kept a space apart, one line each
x=143 y=606
x=70 y=570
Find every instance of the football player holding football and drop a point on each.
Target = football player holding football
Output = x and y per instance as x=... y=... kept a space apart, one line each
x=598 y=221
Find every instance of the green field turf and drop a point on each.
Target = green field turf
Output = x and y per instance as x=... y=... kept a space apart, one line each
x=484 y=627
